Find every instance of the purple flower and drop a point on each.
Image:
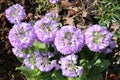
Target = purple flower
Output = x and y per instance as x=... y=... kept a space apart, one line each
x=45 y=30
x=69 y=67
x=54 y=1
x=15 y=13
x=97 y=38
x=29 y=61
x=52 y=16
x=21 y=36
x=18 y=53
x=110 y=48
x=69 y=39
x=43 y=61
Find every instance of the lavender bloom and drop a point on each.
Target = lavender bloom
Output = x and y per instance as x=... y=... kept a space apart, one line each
x=31 y=23
x=112 y=44
x=21 y=36
x=45 y=30
x=18 y=52
x=52 y=16
x=69 y=39
x=110 y=48
x=43 y=61
x=97 y=38
x=69 y=67
x=54 y=1
x=29 y=61
x=15 y=13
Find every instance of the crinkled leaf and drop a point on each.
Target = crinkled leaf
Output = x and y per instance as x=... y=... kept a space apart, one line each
x=99 y=66
x=44 y=76
x=95 y=77
x=86 y=53
x=58 y=75
x=30 y=74
x=86 y=65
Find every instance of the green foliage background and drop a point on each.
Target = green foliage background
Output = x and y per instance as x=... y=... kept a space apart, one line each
x=107 y=12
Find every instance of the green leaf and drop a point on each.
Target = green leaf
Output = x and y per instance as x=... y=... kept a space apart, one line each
x=20 y=59
x=95 y=77
x=44 y=76
x=99 y=66
x=60 y=25
x=86 y=65
x=83 y=76
x=76 y=78
x=58 y=75
x=39 y=45
x=30 y=74
x=86 y=53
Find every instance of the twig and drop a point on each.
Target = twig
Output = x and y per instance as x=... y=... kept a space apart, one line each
x=76 y=14
x=84 y=9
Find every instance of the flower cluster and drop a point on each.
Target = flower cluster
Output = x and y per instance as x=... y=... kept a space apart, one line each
x=21 y=36
x=15 y=13
x=97 y=38
x=69 y=67
x=28 y=59
x=69 y=39
x=66 y=42
x=43 y=61
x=45 y=30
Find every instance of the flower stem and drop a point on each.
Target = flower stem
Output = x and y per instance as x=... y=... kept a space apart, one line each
x=57 y=10
x=47 y=47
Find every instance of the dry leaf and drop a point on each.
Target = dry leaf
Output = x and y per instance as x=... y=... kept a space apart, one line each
x=71 y=12
x=114 y=27
x=2 y=1
x=66 y=3
x=2 y=14
x=54 y=9
x=69 y=21
x=84 y=13
x=29 y=16
x=73 y=8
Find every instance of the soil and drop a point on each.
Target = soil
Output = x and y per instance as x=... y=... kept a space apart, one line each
x=8 y=62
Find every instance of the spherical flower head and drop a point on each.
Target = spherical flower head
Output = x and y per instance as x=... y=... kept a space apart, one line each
x=15 y=13
x=21 y=36
x=29 y=61
x=43 y=61
x=69 y=39
x=97 y=38
x=69 y=67
x=54 y=1
x=45 y=30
